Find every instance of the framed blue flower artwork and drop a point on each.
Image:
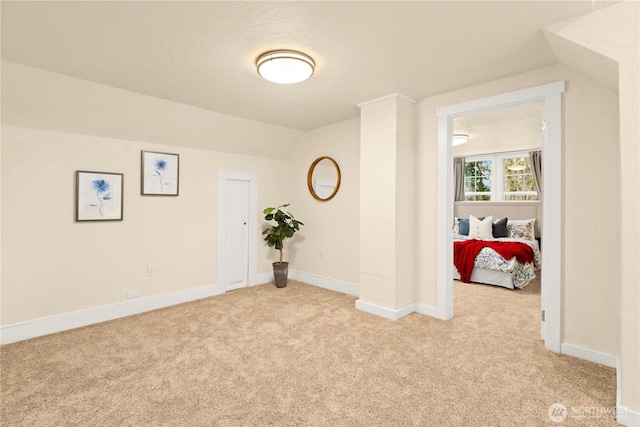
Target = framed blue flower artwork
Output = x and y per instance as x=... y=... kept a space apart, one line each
x=99 y=196
x=160 y=174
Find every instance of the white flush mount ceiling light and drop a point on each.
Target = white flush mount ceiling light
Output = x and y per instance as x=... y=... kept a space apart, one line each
x=285 y=66
x=460 y=138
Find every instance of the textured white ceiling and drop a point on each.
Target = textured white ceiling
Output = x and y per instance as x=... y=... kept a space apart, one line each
x=203 y=53
x=513 y=128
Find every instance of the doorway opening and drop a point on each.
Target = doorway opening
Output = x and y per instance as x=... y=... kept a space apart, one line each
x=550 y=96
x=497 y=177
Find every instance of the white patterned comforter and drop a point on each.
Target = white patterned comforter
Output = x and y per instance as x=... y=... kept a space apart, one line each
x=521 y=274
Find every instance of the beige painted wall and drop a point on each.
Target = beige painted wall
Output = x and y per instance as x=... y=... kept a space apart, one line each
x=591 y=306
x=331 y=226
x=592 y=43
x=592 y=291
x=53 y=265
x=0 y=181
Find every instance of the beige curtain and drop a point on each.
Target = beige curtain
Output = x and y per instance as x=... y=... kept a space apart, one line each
x=536 y=167
x=458 y=179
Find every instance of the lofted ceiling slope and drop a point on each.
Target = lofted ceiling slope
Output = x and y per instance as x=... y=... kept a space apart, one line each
x=203 y=53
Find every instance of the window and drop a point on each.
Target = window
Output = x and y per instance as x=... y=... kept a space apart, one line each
x=517 y=179
x=477 y=180
x=499 y=177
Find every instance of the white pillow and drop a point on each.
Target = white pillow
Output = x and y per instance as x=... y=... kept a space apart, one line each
x=481 y=229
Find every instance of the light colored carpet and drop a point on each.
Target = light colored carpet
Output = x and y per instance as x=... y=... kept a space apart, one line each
x=304 y=356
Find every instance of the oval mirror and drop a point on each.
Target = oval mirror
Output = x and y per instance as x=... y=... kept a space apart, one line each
x=323 y=178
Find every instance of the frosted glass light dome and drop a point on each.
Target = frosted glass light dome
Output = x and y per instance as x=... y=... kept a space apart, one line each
x=460 y=138
x=285 y=66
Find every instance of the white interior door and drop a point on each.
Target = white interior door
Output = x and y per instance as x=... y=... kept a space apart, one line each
x=237 y=230
x=237 y=247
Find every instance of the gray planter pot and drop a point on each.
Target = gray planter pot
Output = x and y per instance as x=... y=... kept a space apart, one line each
x=280 y=273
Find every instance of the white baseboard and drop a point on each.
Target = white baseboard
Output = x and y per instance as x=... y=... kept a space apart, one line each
x=262 y=278
x=65 y=321
x=624 y=415
x=429 y=311
x=77 y=319
x=325 y=282
x=627 y=417
x=385 y=312
x=590 y=355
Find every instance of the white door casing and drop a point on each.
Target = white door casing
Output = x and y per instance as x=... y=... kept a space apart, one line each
x=237 y=227
x=551 y=97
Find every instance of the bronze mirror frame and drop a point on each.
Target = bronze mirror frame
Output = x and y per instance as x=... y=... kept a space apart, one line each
x=310 y=178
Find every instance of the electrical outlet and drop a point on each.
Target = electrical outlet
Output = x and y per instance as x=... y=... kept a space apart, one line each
x=133 y=294
x=151 y=270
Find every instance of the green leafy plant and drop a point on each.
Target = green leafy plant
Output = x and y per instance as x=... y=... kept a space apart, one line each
x=286 y=226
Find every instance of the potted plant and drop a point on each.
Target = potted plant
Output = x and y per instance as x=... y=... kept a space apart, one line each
x=285 y=228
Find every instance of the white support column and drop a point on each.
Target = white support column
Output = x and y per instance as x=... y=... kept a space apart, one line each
x=386 y=207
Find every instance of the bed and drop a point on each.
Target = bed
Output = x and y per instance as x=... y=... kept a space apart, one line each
x=488 y=237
